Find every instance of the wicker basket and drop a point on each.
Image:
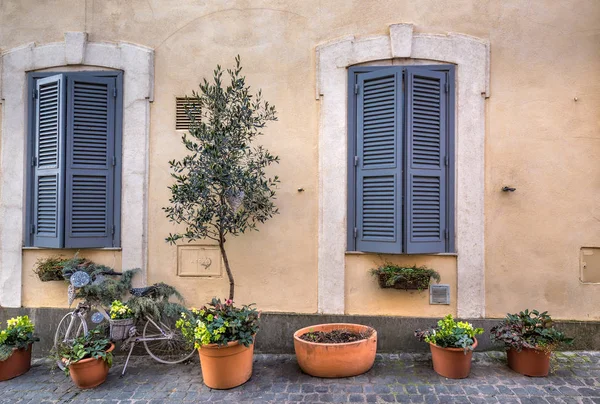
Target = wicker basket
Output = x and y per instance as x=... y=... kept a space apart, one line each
x=119 y=329
x=419 y=283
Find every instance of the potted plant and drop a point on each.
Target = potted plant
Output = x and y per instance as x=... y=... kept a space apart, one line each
x=335 y=350
x=87 y=359
x=452 y=344
x=15 y=347
x=224 y=337
x=399 y=277
x=50 y=269
x=529 y=338
x=121 y=320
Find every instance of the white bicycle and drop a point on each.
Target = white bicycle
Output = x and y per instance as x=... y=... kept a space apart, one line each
x=163 y=341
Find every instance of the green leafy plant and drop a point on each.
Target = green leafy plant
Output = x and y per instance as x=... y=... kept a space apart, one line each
x=221 y=187
x=391 y=275
x=450 y=334
x=157 y=304
x=219 y=323
x=529 y=329
x=17 y=335
x=50 y=269
x=120 y=311
x=93 y=345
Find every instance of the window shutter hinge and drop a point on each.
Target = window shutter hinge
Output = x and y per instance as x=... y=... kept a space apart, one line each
x=114 y=161
x=115 y=92
x=447 y=87
x=355 y=232
x=112 y=231
x=33 y=229
x=446 y=234
x=355 y=161
x=35 y=94
x=34 y=161
x=356 y=89
x=446 y=161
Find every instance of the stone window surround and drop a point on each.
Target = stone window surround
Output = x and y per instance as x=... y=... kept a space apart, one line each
x=137 y=64
x=472 y=58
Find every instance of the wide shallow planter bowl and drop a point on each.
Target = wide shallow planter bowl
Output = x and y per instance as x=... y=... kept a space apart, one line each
x=89 y=373
x=336 y=360
x=226 y=366
x=16 y=364
x=529 y=362
x=452 y=363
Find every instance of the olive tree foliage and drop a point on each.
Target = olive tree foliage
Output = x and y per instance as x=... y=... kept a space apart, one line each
x=221 y=187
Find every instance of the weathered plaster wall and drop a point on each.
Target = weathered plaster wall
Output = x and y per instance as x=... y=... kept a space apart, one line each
x=538 y=138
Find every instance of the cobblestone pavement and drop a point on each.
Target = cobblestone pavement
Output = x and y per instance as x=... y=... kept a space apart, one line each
x=400 y=378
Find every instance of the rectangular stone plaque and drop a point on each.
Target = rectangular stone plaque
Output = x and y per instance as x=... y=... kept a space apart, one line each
x=199 y=261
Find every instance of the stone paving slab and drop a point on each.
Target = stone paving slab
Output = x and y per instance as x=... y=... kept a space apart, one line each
x=402 y=378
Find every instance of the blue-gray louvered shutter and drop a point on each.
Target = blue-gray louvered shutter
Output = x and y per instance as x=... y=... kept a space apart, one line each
x=425 y=184
x=49 y=163
x=90 y=162
x=379 y=162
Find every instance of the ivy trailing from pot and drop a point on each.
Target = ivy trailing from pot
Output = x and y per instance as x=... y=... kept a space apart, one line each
x=15 y=347
x=87 y=359
x=221 y=187
x=408 y=278
x=452 y=344
x=529 y=338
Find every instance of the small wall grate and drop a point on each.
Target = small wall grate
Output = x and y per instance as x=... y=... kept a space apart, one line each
x=182 y=120
x=439 y=294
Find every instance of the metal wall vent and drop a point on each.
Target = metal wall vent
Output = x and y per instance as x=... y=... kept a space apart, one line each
x=182 y=120
x=439 y=294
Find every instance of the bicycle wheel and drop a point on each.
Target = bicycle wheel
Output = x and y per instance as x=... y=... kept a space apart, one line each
x=70 y=327
x=164 y=342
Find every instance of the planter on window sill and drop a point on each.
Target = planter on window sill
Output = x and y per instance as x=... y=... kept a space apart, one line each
x=417 y=283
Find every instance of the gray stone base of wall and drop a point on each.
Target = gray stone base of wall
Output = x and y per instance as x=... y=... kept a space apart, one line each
x=395 y=334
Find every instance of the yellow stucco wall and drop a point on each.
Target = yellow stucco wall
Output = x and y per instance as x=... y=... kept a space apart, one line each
x=538 y=138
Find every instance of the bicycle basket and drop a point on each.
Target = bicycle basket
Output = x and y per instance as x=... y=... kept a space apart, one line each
x=119 y=329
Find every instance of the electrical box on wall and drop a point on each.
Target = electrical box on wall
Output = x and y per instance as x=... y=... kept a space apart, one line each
x=589 y=260
x=199 y=261
x=439 y=294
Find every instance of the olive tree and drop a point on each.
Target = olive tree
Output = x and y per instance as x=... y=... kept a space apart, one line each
x=221 y=187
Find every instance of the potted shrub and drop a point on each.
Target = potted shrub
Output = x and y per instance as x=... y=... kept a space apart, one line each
x=15 y=347
x=224 y=337
x=87 y=359
x=452 y=344
x=335 y=350
x=121 y=320
x=529 y=338
x=399 y=277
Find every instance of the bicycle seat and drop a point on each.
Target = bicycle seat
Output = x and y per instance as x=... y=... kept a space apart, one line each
x=141 y=292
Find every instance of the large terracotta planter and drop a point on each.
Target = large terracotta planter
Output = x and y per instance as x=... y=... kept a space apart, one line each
x=529 y=362
x=16 y=364
x=452 y=363
x=336 y=360
x=89 y=373
x=226 y=367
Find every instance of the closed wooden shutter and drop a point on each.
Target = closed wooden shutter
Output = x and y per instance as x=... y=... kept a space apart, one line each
x=379 y=162
x=426 y=159
x=48 y=162
x=90 y=162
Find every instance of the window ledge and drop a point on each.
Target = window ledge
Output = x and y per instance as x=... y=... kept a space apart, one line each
x=366 y=253
x=98 y=249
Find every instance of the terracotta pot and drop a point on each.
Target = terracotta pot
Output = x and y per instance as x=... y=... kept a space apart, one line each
x=16 y=364
x=452 y=363
x=529 y=362
x=89 y=373
x=336 y=360
x=226 y=367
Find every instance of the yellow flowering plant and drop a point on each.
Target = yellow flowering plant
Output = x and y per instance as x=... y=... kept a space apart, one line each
x=451 y=334
x=219 y=323
x=120 y=311
x=17 y=335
